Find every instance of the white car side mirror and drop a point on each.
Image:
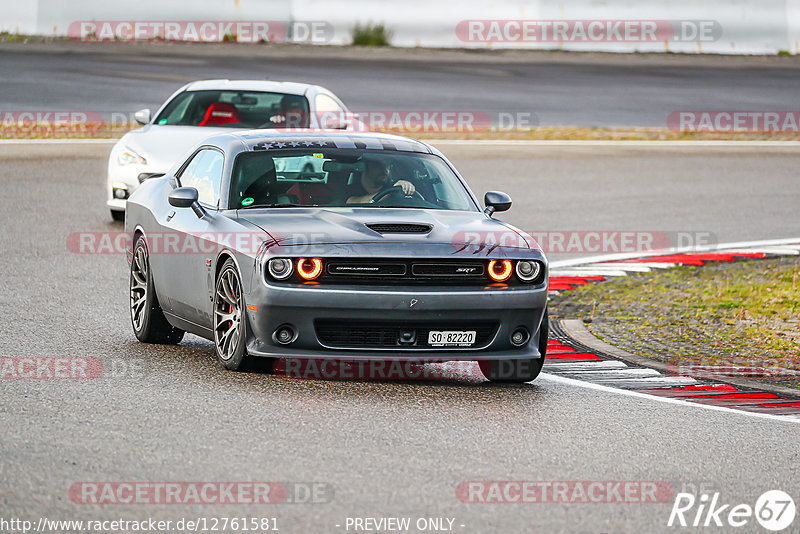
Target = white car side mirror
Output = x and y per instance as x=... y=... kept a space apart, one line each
x=142 y=116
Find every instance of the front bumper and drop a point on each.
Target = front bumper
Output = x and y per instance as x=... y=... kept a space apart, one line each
x=116 y=204
x=301 y=305
x=125 y=181
x=124 y=177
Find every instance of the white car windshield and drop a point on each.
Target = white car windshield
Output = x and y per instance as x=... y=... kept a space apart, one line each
x=236 y=109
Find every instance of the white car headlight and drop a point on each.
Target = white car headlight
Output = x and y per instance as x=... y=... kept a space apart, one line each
x=527 y=271
x=129 y=157
x=280 y=268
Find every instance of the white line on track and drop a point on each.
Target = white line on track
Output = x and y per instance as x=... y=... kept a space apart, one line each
x=645 y=396
x=787 y=251
x=56 y=141
x=615 y=374
x=720 y=248
x=588 y=272
x=570 y=366
x=636 y=265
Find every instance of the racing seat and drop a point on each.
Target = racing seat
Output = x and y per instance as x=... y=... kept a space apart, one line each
x=220 y=113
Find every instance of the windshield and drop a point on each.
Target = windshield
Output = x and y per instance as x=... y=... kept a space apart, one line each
x=236 y=109
x=345 y=178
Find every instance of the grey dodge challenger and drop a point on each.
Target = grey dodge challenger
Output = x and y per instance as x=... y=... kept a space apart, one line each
x=382 y=253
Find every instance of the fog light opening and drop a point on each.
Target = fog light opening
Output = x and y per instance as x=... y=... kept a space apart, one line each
x=520 y=336
x=119 y=190
x=285 y=334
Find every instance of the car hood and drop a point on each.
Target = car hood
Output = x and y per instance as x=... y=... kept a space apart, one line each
x=302 y=226
x=162 y=146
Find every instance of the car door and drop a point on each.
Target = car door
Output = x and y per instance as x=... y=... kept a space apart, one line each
x=189 y=242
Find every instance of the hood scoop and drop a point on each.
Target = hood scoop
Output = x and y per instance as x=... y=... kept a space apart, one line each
x=400 y=228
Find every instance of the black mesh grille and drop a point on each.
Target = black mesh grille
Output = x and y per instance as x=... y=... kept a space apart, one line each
x=448 y=269
x=400 y=228
x=366 y=334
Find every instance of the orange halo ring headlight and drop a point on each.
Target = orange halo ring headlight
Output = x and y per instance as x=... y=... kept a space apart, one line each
x=500 y=270
x=306 y=272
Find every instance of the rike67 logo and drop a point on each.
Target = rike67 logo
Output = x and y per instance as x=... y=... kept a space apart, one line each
x=774 y=510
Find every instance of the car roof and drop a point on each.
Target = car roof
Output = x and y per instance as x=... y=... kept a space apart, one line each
x=257 y=140
x=291 y=88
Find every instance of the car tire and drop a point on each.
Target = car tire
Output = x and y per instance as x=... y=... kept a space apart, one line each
x=147 y=319
x=230 y=319
x=118 y=215
x=517 y=371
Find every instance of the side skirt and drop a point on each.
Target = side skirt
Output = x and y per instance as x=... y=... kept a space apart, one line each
x=189 y=326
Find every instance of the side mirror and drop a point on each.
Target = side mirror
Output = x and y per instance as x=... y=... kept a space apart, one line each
x=186 y=197
x=142 y=116
x=496 y=201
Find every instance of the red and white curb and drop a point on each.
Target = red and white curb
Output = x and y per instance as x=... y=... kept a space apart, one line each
x=566 y=274
x=569 y=359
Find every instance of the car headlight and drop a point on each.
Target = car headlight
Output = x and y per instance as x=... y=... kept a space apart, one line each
x=528 y=271
x=129 y=157
x=280 y=268
x=309 y=269
x=500 y=270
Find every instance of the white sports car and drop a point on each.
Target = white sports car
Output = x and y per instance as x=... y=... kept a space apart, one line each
x=207 y=107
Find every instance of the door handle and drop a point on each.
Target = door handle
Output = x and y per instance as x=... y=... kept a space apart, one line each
x=171 y=215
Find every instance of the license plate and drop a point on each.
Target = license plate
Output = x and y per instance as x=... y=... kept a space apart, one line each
x=451 y=338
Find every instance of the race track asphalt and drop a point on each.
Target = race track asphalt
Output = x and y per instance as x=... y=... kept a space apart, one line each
x=554 y=89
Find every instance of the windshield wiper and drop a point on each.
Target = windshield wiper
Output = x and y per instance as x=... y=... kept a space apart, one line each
x=389 y=207
x=281 y=205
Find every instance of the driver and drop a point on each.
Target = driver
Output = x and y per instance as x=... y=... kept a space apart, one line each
x=292 y=113
x=374 y=179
